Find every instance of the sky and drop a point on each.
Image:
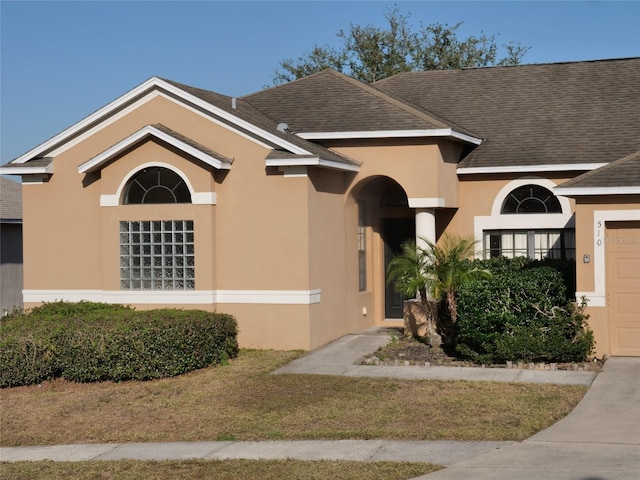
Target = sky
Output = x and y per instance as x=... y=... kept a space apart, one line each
x=61 y=61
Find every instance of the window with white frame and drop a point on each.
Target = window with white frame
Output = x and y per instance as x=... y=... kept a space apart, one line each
x=538 y=244
x=157 y=255
x=156 y=185
x=540 y=241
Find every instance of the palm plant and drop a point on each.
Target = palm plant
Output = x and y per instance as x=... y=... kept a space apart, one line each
x=439 y=270
x=408 y=271
x=449 y=267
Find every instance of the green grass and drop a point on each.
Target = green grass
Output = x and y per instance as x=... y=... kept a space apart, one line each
x=214 y=470
x=243 y=401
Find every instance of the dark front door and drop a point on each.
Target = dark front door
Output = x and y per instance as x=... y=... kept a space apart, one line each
x=394 y=232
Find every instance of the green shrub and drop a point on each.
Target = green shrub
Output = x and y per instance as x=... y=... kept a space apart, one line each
x=88 y=342
x=521 y=315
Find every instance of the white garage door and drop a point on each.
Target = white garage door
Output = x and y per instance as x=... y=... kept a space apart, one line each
x=622 y=258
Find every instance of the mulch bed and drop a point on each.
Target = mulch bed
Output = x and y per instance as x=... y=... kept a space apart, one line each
x=409 y=351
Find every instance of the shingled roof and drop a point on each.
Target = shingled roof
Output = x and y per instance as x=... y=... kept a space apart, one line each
x=249 y=113
x=329 y=101
x=535 y=115
x=10 y=201
x=623 y=175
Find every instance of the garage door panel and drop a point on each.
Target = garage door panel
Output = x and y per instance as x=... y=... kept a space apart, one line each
x=622 y=258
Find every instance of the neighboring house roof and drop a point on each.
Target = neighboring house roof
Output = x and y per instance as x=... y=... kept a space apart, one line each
x=620 y=177
x=535 y=115
x=322 y=105
x=10 y=201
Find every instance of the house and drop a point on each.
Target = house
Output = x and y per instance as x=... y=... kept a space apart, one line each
x=283 y=207
x=10 y=245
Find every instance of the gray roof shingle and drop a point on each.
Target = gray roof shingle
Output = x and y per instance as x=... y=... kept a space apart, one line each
x=10 y=200
x=329 y=101
x=624 y=172
x=546 y=114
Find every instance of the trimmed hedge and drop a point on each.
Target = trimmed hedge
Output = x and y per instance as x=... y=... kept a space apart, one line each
x=521 y=314
x=88 y=342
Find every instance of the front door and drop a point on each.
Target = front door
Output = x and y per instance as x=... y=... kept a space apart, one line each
x=394 y=232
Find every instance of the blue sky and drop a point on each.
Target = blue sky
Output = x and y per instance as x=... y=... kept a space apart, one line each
x=60 y=61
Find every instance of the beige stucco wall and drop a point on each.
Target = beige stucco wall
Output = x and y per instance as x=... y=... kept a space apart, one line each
x=267 y=231
x=591 y=220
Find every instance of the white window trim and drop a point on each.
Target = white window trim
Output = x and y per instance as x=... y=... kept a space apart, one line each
x=597 y=298
x=178 y=297
x=535 y=221
x=197 y=198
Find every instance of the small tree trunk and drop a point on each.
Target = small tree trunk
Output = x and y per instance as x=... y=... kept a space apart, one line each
x=420 y=320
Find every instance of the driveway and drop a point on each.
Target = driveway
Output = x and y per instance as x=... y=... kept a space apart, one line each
x=598 y=440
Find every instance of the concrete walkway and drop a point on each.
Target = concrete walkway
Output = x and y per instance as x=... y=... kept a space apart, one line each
x=599 y=440
x=341 y=357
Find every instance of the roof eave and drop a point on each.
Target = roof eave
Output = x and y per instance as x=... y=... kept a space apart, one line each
x=13 y=169
x=596 y=191
x=101 y=159
x=529 y=168
x=311 y=162
x=153 y=82
x=355 y=135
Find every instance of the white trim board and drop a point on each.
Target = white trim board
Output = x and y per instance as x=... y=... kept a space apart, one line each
x=311 y=162
x=150 y=131
x=567 y=167
x=179 y=297
x=101 y=118
x=570 y=191
x=434 y=132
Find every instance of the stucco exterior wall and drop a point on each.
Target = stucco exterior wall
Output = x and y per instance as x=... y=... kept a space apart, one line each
x=592 y=216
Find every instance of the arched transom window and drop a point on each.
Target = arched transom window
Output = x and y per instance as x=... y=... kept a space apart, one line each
x=156 y=185
x=531 y=199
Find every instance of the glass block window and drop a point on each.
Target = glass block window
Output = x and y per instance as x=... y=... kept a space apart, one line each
x=531 y=199
x=157 y=255
x=156 y=185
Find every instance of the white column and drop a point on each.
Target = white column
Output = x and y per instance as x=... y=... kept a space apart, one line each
x=425 y=226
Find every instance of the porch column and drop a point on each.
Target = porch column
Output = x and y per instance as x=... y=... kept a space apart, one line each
x=425 y=226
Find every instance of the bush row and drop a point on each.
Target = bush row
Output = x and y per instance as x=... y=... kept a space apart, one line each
x=521 y=313
x=88 y=342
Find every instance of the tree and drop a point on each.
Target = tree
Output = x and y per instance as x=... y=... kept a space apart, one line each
x=370 y=53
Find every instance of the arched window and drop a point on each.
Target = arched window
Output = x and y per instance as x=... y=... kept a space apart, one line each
x=156 y=185
x=531 y=199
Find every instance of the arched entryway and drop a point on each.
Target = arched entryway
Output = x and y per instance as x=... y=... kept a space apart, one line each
x=384 y=212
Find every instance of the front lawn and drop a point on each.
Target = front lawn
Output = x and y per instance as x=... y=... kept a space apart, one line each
x=243 y=401
x=215 y=470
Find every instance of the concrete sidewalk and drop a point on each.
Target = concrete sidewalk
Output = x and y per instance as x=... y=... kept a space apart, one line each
x=438 y=452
